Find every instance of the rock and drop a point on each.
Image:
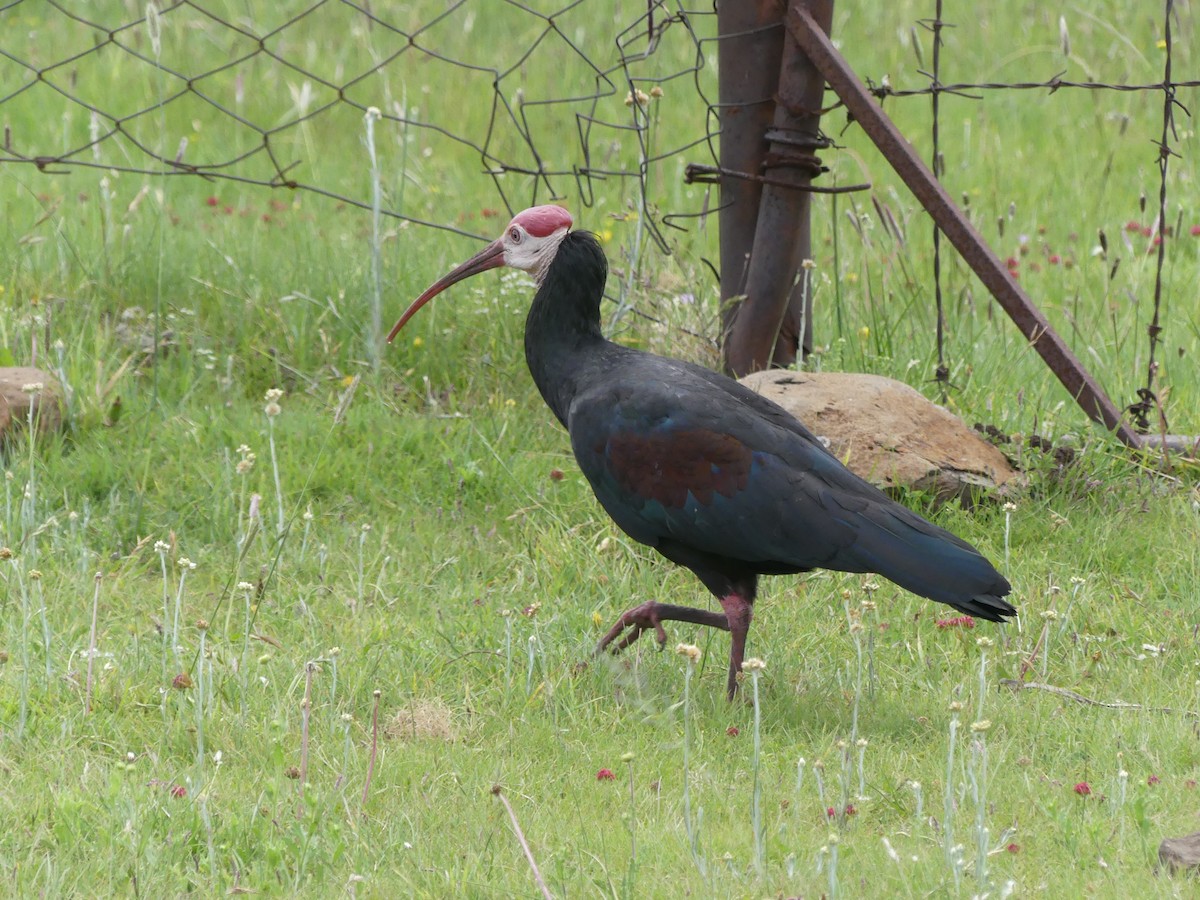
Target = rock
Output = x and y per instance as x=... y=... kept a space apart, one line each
x=1180 y=853
x=15 y=400
x=887 y=433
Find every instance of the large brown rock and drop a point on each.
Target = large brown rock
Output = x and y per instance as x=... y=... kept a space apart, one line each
x=15 y=400
x=886 y=432
x=1181 y=853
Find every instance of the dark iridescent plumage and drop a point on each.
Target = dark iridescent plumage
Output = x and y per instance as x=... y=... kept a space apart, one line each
x=712 y=475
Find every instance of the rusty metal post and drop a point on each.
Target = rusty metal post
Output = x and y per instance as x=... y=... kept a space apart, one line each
x=776 y=317
x=960 y=232
x=748 y=56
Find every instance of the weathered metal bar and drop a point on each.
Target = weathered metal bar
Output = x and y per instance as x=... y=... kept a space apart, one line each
x=774 y=323
x=958 y=230
x=748 y=56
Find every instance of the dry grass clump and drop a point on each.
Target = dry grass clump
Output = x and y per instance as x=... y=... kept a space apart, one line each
x=422 y=719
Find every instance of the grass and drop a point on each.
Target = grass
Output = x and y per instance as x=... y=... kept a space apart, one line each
x=252 y=759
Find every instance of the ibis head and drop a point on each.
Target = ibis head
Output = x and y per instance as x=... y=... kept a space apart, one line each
x=528 y=243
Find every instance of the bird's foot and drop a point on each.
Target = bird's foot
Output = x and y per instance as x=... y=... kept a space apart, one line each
x=637 y=620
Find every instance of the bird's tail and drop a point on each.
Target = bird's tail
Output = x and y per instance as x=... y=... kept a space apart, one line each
x=921 y=557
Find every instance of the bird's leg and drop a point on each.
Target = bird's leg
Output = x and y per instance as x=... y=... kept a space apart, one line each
x=738 y=613
x=651 y=615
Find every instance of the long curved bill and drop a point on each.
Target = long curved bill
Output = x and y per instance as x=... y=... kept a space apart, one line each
x=490 y=257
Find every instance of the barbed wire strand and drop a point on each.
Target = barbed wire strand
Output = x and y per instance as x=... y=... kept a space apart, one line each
x=1147 y=399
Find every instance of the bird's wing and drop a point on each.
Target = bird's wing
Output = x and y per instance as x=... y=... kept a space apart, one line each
x=673 y=459
x=676 y=453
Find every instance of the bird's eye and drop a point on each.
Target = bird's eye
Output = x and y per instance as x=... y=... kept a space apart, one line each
x=514 y=234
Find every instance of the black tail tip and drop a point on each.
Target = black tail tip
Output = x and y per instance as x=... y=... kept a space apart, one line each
x=987 y=606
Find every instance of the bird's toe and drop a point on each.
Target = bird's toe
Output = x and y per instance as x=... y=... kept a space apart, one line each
x=629 y=628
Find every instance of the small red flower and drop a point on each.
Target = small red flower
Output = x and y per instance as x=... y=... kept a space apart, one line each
x=178 y=790
x=605 y=775
x=1133 y=226
x=733 y=731
x=850 y=810
x=1013 y=848
x=1054 y=259
x=1194 y=231
x=212 y=201
x=556 y=475
x=1012 y=262
x=1147 y=231
x=831 y=813
x=182 y=681
x=956 y=622
x=1083 y=789
x=1153 y=780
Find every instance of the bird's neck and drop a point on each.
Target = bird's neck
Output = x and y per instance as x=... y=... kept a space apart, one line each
x=562 y=331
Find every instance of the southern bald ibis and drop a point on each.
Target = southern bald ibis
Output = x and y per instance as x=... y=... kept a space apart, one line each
x=707 y=472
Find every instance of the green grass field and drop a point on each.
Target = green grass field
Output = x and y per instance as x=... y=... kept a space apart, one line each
x=425 y=551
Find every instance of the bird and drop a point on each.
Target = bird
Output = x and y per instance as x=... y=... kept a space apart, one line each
x=713 y=476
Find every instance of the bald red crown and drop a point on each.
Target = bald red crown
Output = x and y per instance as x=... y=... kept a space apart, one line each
x=543 y=221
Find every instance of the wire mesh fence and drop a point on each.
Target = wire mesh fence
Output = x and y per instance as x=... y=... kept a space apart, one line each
x=199 y=89
x=283 y=97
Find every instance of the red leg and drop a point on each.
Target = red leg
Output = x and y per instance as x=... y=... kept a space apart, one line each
x=651 y=615
x=738 y=613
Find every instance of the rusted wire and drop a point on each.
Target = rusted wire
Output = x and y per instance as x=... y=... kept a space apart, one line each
x=942 y=372
x=965 y=88
x=1147 y=400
